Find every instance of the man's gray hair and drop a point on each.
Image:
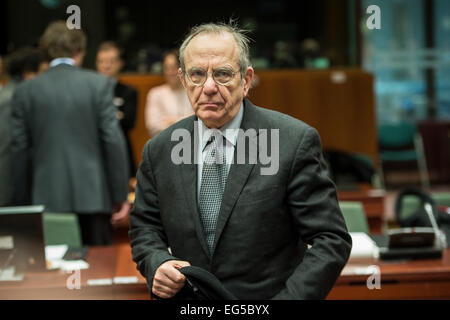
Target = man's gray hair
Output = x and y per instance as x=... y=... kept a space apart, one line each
x=242 y=41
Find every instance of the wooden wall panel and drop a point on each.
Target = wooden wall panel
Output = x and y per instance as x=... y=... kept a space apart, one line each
x=139 y=135
x=339 y=103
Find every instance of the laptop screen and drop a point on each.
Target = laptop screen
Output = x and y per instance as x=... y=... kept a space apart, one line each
x=22 y=242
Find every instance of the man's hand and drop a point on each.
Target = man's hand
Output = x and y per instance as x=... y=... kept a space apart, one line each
x=120 y=213
x=168 y=280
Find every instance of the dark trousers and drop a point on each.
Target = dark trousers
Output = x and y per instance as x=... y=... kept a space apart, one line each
x=96 y=229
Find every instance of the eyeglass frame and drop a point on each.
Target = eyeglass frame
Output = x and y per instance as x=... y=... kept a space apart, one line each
x=212 y=75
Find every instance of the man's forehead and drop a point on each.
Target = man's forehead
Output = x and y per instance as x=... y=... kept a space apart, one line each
x=217 y=46
x=109 y=52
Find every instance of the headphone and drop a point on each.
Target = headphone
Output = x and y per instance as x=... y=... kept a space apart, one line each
x=418 y=218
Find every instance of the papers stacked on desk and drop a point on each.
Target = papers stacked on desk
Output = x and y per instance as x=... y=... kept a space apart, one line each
x=54 y=258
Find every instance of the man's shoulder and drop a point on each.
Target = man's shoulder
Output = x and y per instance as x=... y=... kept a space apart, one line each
x=68 y=73
x=272 y=119
x=77 y=74
x=91 y=75
x=292 y=132
x=7 y=91
x=22 y=88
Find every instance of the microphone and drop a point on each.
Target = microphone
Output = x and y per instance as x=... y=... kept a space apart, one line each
x=440 y=236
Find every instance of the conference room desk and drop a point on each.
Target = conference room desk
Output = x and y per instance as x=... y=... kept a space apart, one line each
x=415 y=279
x=421 y=279
x=108 y=268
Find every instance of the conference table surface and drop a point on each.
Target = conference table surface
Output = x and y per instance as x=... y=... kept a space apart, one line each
x=112 y=275
x=413 y=279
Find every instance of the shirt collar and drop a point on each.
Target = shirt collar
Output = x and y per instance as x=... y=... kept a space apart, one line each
x=230 y=130
x=58 y=61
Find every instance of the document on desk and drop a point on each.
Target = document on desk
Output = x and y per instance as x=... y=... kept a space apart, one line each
x=363 y=246
x=100 y=282
x=55 y=252
x=125 y=280
x=54 y=258
x=359 y=270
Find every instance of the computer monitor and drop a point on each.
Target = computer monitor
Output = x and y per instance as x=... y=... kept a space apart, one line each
x=22 y=242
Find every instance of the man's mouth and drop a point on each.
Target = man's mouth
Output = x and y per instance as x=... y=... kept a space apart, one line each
x=210 y=105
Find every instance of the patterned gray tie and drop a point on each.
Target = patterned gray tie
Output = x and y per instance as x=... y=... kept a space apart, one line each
x=214 y=177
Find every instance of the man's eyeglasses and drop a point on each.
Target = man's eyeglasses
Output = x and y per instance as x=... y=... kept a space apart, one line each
x=221 y=76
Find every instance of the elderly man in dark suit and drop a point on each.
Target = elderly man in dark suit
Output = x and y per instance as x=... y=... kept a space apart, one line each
x=248 y=224
x=67 y=138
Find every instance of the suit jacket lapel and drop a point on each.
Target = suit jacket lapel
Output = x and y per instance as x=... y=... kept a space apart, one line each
x=189 y=178
x=238 y=174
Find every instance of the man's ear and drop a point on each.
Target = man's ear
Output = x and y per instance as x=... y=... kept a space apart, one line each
x=181 y=77
x=248 y=78
x=78 y=57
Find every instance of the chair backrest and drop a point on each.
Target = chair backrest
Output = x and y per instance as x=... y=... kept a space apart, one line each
x=441 y=198
x=62 y=228
x=355 y=216
x=396 y=134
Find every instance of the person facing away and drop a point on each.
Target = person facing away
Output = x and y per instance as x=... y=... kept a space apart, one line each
x=245 y=222
x=66 y=136
x=23 y=64
x=109 y=63
x=167 y=103
x=1 y=72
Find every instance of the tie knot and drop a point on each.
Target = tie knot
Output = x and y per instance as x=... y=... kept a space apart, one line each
x=216 y=154
x=216 y=135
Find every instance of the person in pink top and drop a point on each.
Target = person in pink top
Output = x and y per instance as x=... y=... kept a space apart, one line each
x=168 y=103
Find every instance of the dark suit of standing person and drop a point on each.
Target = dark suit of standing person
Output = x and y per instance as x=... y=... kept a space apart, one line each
x=23 y=64
x=110 y=63
x=247 y=223
x=66 y=135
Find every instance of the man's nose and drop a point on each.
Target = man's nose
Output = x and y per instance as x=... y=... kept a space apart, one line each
x=209 y=87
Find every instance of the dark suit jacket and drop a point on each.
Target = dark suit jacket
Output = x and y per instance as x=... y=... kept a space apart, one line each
x=264 y=222
x=6 y=94
x=67 y=137
x=126 y=102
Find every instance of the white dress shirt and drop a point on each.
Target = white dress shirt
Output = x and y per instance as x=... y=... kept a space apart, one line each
x=58 y=61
